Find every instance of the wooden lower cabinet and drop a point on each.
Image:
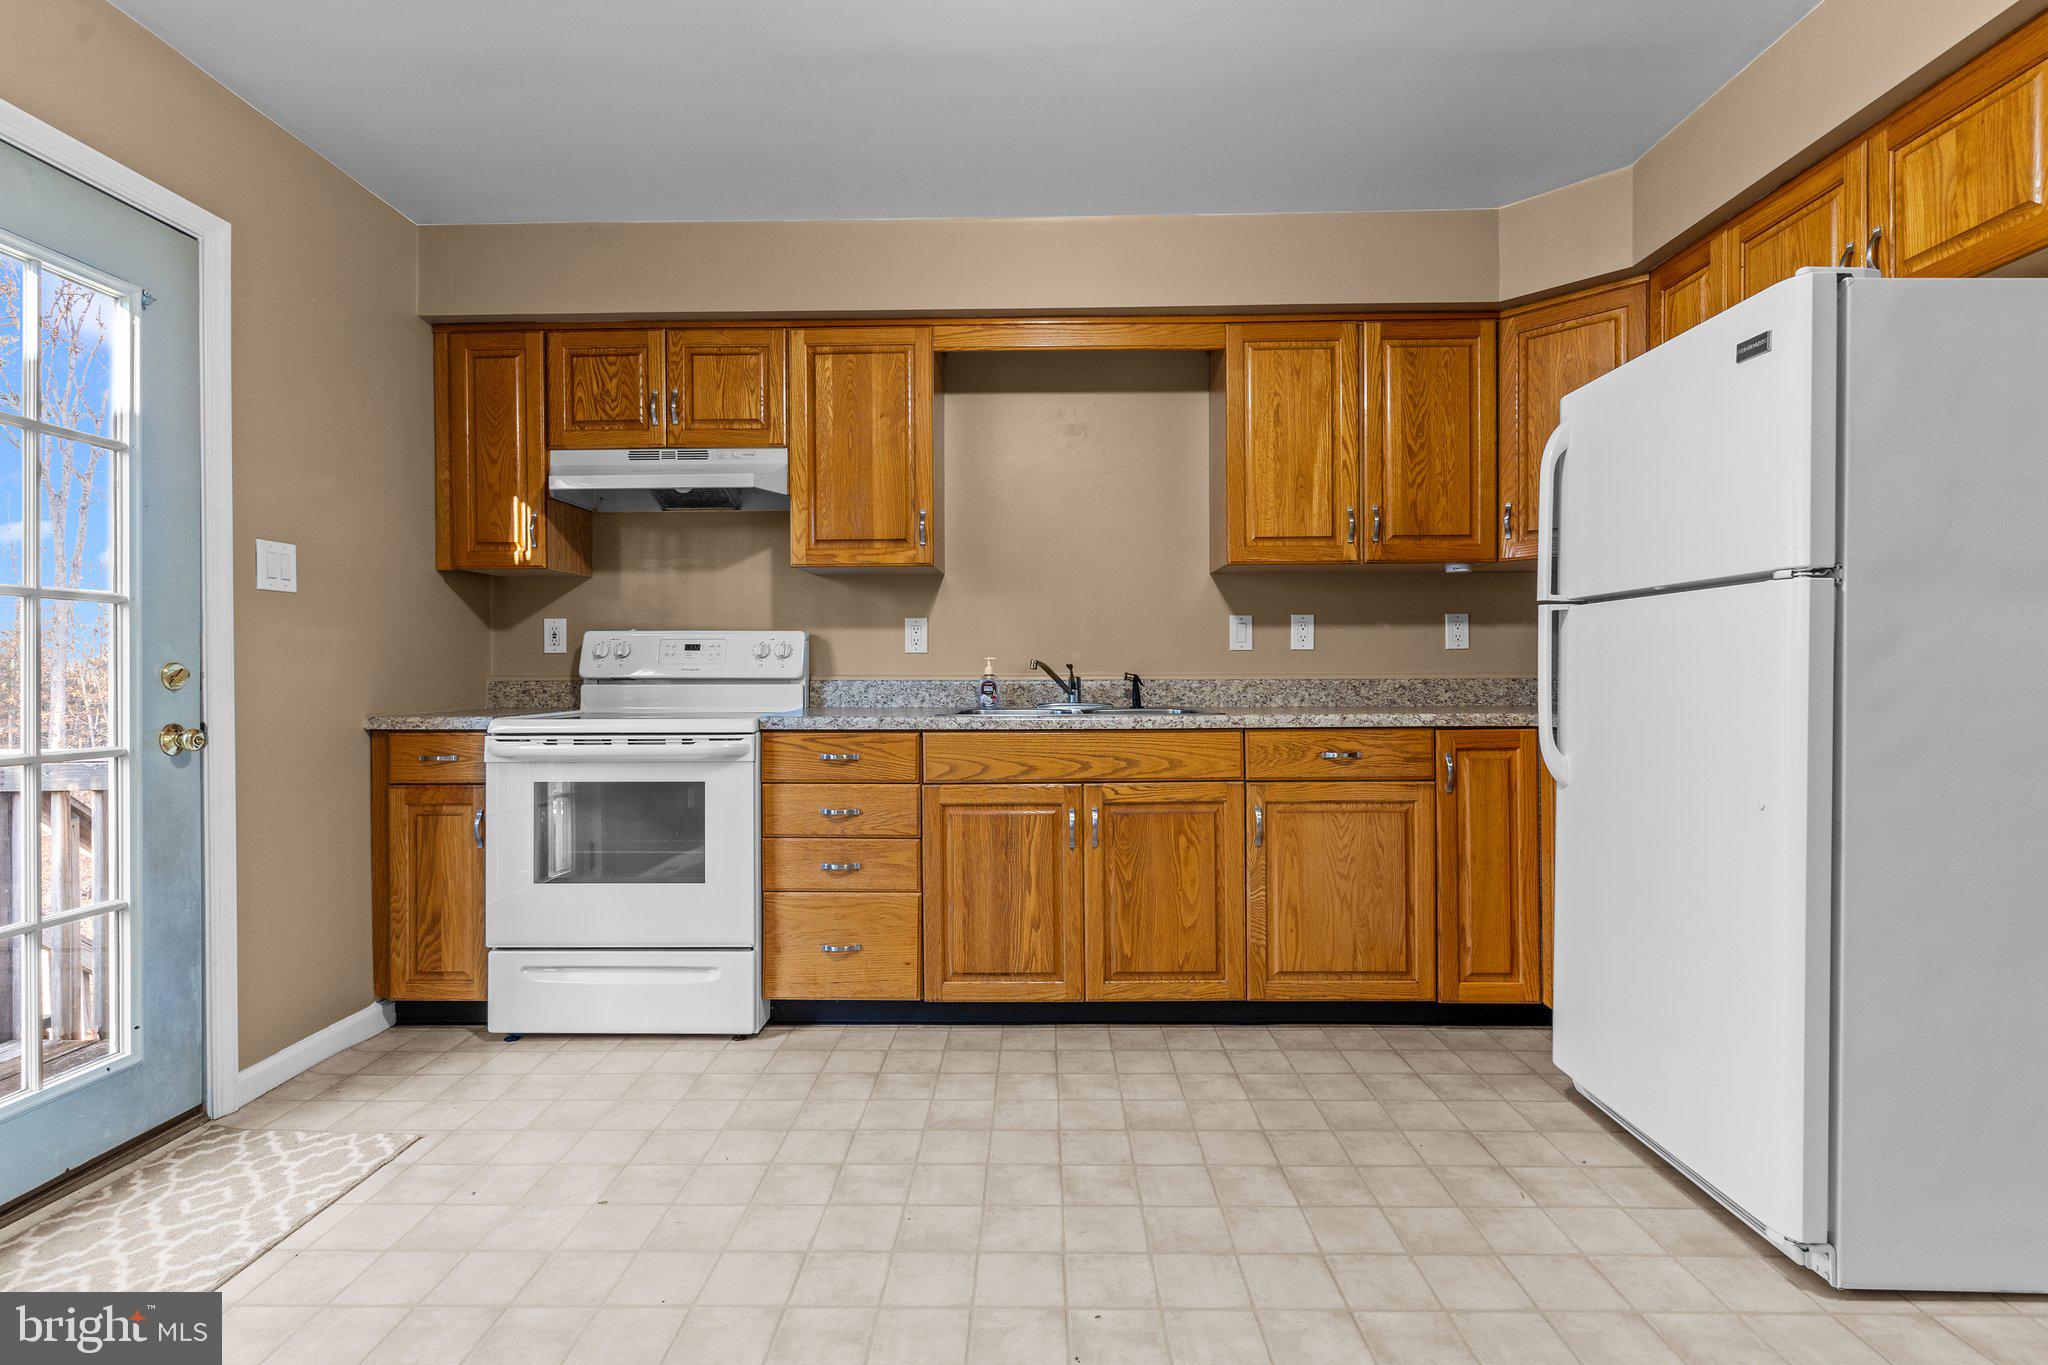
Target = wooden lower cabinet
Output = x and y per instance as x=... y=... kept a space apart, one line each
x=839 y=946
x=1002 y=874
x=1489 y=877
x=1164 y=904
x=1341 y=890
x=426 y=878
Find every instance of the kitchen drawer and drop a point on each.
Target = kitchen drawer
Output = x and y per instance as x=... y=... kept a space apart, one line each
x=839 y=810
x=448 y=757
x=1092 y=756
x=839 y=755
x=1333 y=755
x=884 y=931
x=856 y=864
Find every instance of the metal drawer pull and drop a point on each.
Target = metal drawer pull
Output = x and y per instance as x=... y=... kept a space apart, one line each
x=839 y=867
x=1341 y=755
x=838 y=947
x=836 y=811
x=440 y=758
x=838 y=758
x=1258 y=826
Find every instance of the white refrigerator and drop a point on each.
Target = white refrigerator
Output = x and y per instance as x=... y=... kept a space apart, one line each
x=1793 y=688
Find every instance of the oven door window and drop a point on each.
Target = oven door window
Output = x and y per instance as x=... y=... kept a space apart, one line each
x=618 y=833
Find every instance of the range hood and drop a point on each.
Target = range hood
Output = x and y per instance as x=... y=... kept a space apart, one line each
x=665 y=479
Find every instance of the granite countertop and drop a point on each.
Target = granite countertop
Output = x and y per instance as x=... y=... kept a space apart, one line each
x=475 y=718
x=1240 y=718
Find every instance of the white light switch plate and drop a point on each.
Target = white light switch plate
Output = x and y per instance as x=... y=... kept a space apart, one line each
x=1240 y=632
x=277 y=566
x=554 y=635
x=1457 y=630
x=1301 y=632
x=913 y=635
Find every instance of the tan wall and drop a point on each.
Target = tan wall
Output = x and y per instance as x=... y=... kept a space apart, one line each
x=333 y=442
x=1076 y=527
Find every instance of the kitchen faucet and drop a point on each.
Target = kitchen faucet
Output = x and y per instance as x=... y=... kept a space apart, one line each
x=1071 y=684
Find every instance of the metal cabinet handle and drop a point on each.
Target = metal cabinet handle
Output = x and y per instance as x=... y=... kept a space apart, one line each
x=834 y=812
x=1507 y=520
x=1450 y=772
x=1072 y=815
x=1870 y=260
x=532 y=531
x=1095 y=827
x=1258 y=826
x=838 y=947
x=653 y=409
x=1351 y=525
x=440 y=758
x=838 y=758
x=1848 y=255
x=1375 y=525
x=839 y=867
x=476 y=827
x=1341 y=755
x=921 y=515
x=675 y=406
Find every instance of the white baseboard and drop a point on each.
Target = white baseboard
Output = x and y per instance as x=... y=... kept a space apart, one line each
x=253 y=1082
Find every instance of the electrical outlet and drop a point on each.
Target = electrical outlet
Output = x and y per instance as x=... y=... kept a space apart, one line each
x=554 y=635
x=1240 y=632
x=1301 y=632
x=277 y=566
x=1457 y=630
x=913 y=635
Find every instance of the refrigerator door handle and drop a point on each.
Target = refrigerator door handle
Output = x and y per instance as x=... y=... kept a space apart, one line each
x=1546 y=510
x=1549 y=616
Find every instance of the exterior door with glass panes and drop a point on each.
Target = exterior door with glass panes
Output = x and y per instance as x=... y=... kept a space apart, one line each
x=102 y=1009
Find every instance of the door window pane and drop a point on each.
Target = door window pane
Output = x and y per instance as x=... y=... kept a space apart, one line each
x=76 y=515
x=11 y=665
x=80 y=960
x=14 y=850
x=77 y=835
x=11 y=523
x=618 y=832
x=75 y=693
x=75 y=355
x=11 y=275
x=12 y=986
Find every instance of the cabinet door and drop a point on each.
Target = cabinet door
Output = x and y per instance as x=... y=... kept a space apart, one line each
x=1545 y=353
x=1959 y=177
x=605 y=389
x=1488 y=859
x=1429 y=437
x=725 y=387
x=1685 y=291
x=1808 y=222
x=861 y=460
x=435 y=889
x=1341 y=891
x=1002 y=876
x=1284 y=486
x=491 y=461
x=1165 y=899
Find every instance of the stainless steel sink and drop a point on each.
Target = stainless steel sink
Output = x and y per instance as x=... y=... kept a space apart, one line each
x=1065 y=711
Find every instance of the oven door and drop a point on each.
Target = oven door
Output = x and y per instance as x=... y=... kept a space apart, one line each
x=622 y=841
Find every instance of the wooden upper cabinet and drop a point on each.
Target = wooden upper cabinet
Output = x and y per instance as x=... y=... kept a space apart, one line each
x=1429 y=441
x=1546 y=351
x=1165 y=916
x=1959 y=177
x=1808 y=222
x=1489 y=878
x=492 y=511
x=725 y=387
x=434 y=897
x=1002 y=893
x=605 y=389
x=1685 y=291
x=862 y=463
x=1284 y=447
x=1341 y=891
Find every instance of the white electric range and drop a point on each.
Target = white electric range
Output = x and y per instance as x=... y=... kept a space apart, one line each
x=622 y=882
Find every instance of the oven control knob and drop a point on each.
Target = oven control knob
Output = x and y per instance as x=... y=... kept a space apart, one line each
x=782 y=650
x=624 y=649
x=760 y=649
x=600 y=650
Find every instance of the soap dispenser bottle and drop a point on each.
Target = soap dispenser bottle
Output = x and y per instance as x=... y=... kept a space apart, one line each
x=986 y=696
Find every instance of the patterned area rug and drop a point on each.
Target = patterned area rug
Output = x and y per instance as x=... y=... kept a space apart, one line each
x=190 y=1217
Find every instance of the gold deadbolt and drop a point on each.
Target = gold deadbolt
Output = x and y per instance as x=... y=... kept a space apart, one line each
x=174 y=675
x=175 y=739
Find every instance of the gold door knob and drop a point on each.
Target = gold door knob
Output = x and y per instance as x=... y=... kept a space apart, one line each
x=175 y=739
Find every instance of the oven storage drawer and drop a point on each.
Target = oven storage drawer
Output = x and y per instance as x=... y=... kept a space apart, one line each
x=839 y=810
x=839 y=864
x=640 y=991
x=840 y=946
x=839 y=756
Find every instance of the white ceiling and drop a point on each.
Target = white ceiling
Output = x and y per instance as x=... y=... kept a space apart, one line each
x=480 y=111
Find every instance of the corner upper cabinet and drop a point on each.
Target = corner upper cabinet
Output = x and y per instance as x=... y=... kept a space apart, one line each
x=605 y=388
x=492 y=511
x=1546 y=351
x=1429 y=441
x=1811 y=221
x=1685 y=291
x=725 y=387
x=863 y=468
x=1283 y=431
x=1489 y=867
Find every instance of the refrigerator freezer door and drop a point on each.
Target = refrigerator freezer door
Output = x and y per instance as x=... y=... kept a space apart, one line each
x=1707 y=459
x=1693 y=882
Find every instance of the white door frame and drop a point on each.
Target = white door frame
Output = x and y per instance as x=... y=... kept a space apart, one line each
x=217 y=561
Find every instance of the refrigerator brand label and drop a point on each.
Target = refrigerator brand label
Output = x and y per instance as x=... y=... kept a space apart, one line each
x=1752 y=348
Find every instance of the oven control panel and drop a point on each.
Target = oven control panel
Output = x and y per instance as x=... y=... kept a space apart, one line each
x=740 y=655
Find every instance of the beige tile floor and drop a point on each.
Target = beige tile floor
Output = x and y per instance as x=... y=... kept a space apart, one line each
x=1079 y=1194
